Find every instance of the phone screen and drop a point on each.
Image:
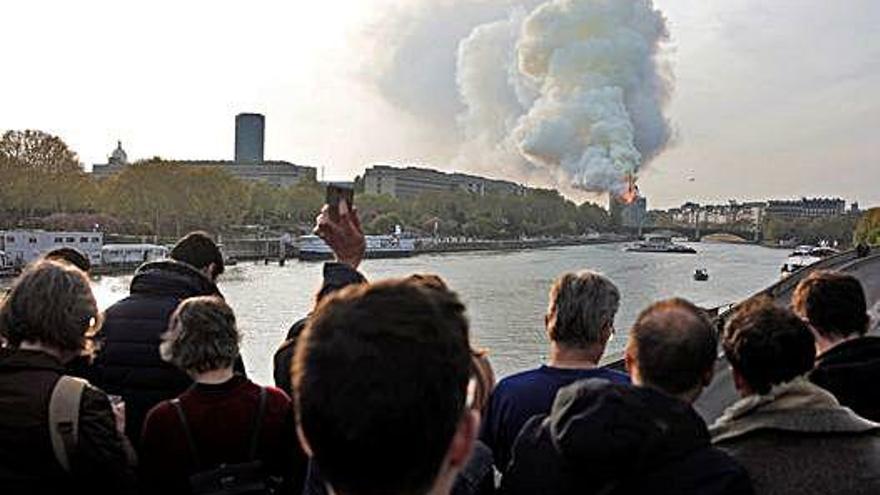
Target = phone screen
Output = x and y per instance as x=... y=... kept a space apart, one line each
x=335 y=194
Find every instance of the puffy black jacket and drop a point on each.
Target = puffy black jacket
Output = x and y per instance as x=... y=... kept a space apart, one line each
x=849 y=370
x=27 y=462
x=128 y=363
x=617 y=439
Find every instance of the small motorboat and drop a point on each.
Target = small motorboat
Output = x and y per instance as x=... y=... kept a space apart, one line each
x=701 y=274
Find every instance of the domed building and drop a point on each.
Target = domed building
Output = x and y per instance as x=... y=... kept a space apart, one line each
x=117 y=160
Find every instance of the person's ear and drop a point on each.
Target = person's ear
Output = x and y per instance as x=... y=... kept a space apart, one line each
x=210 y=270
x=463 y=440
x=629 y=360
x=708 y=375
x=742 y=387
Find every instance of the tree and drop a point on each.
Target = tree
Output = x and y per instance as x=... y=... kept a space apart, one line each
x=41 y=174
x=868 y=228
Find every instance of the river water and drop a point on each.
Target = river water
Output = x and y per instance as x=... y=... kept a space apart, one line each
x=505 y=292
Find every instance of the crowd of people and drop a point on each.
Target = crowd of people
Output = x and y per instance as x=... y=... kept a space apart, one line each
x=380 y=390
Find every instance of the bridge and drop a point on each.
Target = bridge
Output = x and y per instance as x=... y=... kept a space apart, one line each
x=721 y=392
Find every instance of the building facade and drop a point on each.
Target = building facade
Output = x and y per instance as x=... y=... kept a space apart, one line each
x=410 y=182
x=248 y=164
x=807 y=208
x=624 y=214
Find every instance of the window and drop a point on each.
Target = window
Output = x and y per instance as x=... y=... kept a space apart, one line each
x=70 y=239
x=32 y=240
x=83 y=239
x=59 y=240
x=10 y=239
x=96 y=239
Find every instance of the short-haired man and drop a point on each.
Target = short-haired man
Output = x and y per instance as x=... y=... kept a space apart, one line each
x=792 y=436
x=128 y=363
x=833 y=304
x=602 y=437
x=381 y=377
x=579 y=322
x=70 y=255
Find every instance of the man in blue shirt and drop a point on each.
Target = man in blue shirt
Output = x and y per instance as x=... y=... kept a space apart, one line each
x=579 y=322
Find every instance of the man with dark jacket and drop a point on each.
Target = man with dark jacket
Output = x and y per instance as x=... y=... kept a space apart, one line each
x=834 y=306
x=792 y=436
x=128 y=363
x=607 y=438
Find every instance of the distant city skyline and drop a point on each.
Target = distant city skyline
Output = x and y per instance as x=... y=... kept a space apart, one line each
x=772 y=99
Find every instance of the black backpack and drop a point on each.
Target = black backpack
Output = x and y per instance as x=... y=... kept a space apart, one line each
x=231 y=479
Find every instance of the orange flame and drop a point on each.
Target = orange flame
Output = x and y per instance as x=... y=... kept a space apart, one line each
x=632 y=191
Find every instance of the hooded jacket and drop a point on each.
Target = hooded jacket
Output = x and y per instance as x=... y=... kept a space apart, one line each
x=128 y=362
x=846 y=369
x=797 y=439
x=605 y=438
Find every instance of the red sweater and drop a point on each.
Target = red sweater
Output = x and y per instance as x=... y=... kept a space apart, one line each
x=221 y=418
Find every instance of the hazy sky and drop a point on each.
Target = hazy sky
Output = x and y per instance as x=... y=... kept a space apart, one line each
x=772 y=99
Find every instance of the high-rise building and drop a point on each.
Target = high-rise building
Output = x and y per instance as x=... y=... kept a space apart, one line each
x=249 y=137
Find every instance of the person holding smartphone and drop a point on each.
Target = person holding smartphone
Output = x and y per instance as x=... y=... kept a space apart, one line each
x=339 y=226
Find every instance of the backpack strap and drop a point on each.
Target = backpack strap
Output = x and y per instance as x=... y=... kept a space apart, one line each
x=64 y=418
x=187 y=432
x=255 y=435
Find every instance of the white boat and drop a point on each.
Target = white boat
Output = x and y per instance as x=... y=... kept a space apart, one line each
x=655 y=243
x=804 y=256
x=123 y=255
x=312 y=247
x=24 y=246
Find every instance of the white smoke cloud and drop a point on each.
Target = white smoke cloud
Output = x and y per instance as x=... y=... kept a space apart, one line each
x=584 y=92
x=562 y=92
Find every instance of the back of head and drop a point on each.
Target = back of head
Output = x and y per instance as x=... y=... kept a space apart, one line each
x=673 y=344
x=51 y=303
x=767 y=344
x=201 y=336
x=582 y=307
x=833 y=303
x=380 y=378
x=70 y=255
x=199 y=250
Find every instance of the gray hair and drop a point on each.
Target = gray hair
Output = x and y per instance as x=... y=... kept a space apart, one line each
x=582 y=306
x=202 y=335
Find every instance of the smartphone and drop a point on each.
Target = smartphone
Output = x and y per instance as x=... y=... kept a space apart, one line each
x=335 y=194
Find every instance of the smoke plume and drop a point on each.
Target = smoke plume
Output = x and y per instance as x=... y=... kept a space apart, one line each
x=565 y=92
x=573 y=87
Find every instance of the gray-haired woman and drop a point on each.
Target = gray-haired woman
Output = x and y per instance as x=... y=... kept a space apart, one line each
x=223 y=419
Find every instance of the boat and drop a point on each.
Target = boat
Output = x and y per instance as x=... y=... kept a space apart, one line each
x=701 y=274
x=655 y=243
x=804 y=256
x=312 y=247
x=131 y=255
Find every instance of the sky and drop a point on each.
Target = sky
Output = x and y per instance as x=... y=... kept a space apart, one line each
x=771 y=99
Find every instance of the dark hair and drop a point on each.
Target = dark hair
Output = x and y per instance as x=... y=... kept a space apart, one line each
x=582 y=305
x=380 y=381
x=50 y=303
x=674 y=344
x=833 y=303
x=201 y=335
x=199 y=250
x=70 y=255
x=767 y=344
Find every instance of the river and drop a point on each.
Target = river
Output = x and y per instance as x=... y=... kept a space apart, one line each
x=505 y=292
